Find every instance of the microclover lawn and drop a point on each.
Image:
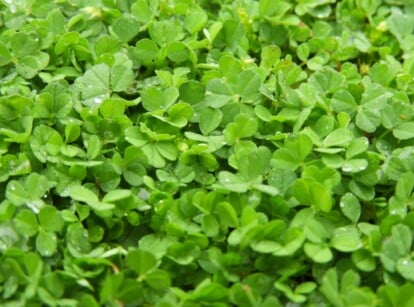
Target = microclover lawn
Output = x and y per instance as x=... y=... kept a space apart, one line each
x=207 y=153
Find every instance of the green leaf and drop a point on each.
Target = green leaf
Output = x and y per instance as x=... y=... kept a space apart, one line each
x=227 y=214
x=350 y=207
x=16 y=193
x=362 y=191
x=310 y=192
x=343 y=101
x=94 y=146
x=268 y=8
x=247 y=86
x=218 y=93
x=210 y=225
x=338 y=137
x=23 y=44
x=179 y=52
x=183 y=253
x=126 y=28
x=243 y=126
x=330 y=287
x=297 y=148
x=95 y=84
x=45 y=143
x=363 y=260
x=80 y=193
x=106 y=44
x=404 y=131
x=400 y=25
x=5 y=56
x=357 y=146
x=142 y=262
x=402 y=237
x=269 y=55
x=26 y=222
x=158 y=280
x=406 y=268
x=30 y=65
x=154 y=99
x=121 y=78
x=50 y=219
x=195 y=20
x=232 y=182
x=405 y=185
x=327 y=80
x=146 y=50
x=46 y=243
x=179 y=114
x=164 y=32
x=321 y=196
x=318 y=253
x=346 y=239
x=210 y=119
x=144 y=10
x=382 y=73
x=368 y=120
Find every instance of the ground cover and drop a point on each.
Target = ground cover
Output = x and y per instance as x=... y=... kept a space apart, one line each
x=206 y=153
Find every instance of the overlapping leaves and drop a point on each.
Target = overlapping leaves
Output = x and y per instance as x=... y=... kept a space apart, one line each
x=249 y=153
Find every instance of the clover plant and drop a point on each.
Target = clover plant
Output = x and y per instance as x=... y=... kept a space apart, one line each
x=206 y=153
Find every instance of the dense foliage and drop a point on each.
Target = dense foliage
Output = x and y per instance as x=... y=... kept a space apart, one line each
x=206 y=153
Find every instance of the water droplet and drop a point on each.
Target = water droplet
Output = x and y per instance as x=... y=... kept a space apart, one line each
x=35 y=205
x=405 y=154
x=12 y=187
x=405 y=262
x=97 y=100
x=362 y=167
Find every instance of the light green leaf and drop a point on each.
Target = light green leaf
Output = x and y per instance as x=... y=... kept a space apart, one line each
x=405 y=266
x=243 y=126
x=338 y=137
x=46 y=243
x=26 y=222
x=356 y=147
x=126 y=28
x=80 y=193
x=50 y=219
x=404 y=131
x=346 y=239
x=364 y=260
x=368 y=120
x=343 y=101
x=195 y=20
x=350 y=207
x=318 y=253
x=154 y=99
x=210 y=119
x=141 y=261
